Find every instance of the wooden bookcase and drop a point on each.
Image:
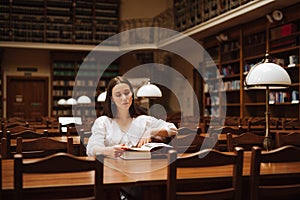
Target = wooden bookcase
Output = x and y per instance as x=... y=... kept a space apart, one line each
x=59 y=21
x=1 y=89
x=67 y=83
x=190 y=13
x=245 y=47
x=225 y=82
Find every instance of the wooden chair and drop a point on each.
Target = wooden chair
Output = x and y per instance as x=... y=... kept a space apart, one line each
x=186 y=131
x=259 y=124
x=228 y=129
x=4 y=149
x=290 y=124
x=13 y=124
x=1 y=177
x=19 y=128
x=232 y=121
x=16 y=120
x=84 y=137
x=50 y=122
x=42 y=147
x=192 y=188
x=193 y=142
x=59 y=163
x=281 y=186
x=283 y=139
x=27 y=134
x=245 y=140
x=67 y=125
x=222 y=145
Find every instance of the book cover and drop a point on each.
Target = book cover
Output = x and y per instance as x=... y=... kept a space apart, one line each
x=145 y=151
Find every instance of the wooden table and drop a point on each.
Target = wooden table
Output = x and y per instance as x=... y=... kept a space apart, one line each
x=149 y=173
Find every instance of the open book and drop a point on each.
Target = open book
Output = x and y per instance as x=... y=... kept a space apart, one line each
x=145 y=151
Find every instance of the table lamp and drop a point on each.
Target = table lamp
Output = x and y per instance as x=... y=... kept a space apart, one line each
x=267 y=75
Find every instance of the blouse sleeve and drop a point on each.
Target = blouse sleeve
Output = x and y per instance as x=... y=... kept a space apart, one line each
x=98 y=136
x=159 y=123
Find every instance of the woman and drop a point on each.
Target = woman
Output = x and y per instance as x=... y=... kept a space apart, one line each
x=120 y=126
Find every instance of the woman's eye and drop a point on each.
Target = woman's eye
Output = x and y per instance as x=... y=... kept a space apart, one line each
x=127 y=93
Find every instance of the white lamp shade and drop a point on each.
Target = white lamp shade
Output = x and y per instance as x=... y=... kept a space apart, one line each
x=71 y=101
x=84 y=100
x=268 y=74
x=102 y=97
x=62 y=102
x=149 y=90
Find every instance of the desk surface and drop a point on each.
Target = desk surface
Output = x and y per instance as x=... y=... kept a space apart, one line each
x=118 y=172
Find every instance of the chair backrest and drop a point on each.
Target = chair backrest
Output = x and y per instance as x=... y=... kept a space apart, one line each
x=236 y=130
x=283 y=139
x=233 y=121
x=1 y=176
x=228 y=129
x=19 y=128
x=277 y=188
x=59 y=163
x=290 y=124
x=41 y=147
x=25 y=134
x=4 y=148
x=67 y=125
x=84 y=137
x=245 y=140
x=186 y=131
x=204 y=158
x=193 y=142
x=14 y=124
x=260 y=124
x=68 y=129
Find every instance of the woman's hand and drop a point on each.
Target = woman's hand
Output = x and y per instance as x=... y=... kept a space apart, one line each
x=146 y=138
x=118 y=150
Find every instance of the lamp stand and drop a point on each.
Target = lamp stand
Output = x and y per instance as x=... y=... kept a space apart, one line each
x=268 y=142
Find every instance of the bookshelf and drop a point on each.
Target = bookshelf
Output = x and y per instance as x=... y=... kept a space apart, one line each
x=225 y=81
x=68 y=81
x=190 y=13
x=59 y=21
x=245 y=47
x=1 y=90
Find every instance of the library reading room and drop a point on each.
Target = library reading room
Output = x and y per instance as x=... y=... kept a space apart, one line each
x=149 y=100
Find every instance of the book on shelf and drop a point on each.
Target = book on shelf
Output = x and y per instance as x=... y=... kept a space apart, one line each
x=146 y=151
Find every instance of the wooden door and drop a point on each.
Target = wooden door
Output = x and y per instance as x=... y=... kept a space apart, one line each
x=27 y=97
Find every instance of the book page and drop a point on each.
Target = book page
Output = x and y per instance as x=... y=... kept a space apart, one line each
x=150 y=146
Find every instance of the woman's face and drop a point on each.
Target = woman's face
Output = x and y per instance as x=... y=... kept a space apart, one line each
x=122 y=96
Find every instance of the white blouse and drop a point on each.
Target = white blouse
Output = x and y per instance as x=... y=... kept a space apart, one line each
x=106 y=132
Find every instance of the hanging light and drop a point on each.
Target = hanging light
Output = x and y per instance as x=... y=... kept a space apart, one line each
x=149 y=91
x=102 y=97
x=84 y=100
x=62 y=102
x=71 y=101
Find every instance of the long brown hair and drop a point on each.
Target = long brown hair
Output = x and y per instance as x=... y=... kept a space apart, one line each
x=109 y=107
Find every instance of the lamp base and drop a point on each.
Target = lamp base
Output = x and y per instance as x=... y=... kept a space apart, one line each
x=268 y=143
